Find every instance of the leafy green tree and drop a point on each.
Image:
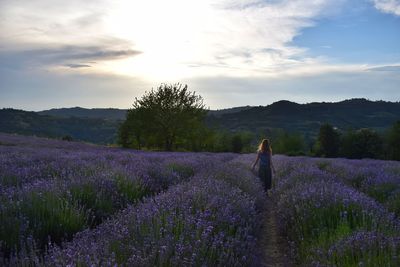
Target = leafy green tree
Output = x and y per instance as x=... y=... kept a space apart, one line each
x=237 y=143
x=289 y=143
x=328 y=141
x=67 y=138
x=348 y=144
x=166 y=116
x=393 y=141
x=131 y=131
x=363 y=143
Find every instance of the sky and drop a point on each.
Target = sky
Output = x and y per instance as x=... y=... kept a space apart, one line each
x=104 y=53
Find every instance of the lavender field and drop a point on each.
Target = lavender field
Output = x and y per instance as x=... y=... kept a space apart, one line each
x=68 y=203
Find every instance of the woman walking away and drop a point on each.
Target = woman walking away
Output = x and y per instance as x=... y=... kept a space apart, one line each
x=264 y=155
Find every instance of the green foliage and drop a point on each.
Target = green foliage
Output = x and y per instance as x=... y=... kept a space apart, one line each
x=10 y=180
x=321 y=227
x=67 y=138
x=393 y=142
x=241 y=142
x=393 y=203
x=323 y=165
x=131 y=132
x=290 y=144
x=51 y=215
x=163 y=117
x=94 y=130
x=131 y=190
x=372 y=254
x=183 y=171
x=100 y=204
x=381 y=192
x=10 y=228
x=328 y=141
x=237 y=142
x=364 y=143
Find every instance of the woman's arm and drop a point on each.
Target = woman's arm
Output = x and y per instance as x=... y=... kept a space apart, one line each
x=255 y=163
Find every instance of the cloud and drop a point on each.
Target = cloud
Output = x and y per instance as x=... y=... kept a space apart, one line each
x=241 y=37
x=395 y=68
x=388 y=6
x=318 y=87
x=39 y=89
x=62 y=56
x=236 y=52
x=77 y=66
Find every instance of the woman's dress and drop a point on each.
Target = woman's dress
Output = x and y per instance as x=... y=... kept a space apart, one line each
x=264 y=171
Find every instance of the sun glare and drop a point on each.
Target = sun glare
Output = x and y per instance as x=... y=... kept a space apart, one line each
x=167 y=37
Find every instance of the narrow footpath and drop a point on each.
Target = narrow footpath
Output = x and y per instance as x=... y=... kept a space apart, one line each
x=273 y=243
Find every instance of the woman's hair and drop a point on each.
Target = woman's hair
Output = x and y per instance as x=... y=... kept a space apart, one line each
x=265 y=146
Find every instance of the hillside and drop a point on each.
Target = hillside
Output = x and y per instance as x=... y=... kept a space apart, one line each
x=307 y=118
x=100 y=131
x=116 y=114
x=100 y=125
x=94 y=113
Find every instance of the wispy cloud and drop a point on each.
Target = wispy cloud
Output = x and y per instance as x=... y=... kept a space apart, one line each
x=242 y=35
x=162 y=40
x=77 y=66
x=388 y=6
x=61 y=56
x=395 y=68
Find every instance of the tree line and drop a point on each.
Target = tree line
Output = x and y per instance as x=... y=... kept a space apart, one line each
x=172 y=118
x=361 y=143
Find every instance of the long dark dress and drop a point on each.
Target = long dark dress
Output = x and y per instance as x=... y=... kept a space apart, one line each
x=264 y=170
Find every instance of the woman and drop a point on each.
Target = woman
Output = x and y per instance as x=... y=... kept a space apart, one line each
x=264 y=155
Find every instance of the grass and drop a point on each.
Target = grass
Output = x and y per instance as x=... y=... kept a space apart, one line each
x=131 y=190
x=10 y=180
x=183 y=171
x=50 y=215
x=45 y=216
x=322 y=227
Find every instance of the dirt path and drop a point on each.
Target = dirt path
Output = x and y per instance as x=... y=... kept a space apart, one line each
x=273 y=244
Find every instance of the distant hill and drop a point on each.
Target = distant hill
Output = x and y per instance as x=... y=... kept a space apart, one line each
x=220 y=112
x=100 y=131
x=100 y=125
x=94 y=113
x=114 y=113
x=307 y=118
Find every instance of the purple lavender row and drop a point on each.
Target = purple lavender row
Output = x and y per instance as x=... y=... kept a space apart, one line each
x=378 y=179
x=212 y=220
x=62 y=188
x=328 y=222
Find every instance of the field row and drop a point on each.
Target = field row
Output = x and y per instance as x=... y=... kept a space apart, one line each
x=80 y=205
x=338 y=212
x=56 y=193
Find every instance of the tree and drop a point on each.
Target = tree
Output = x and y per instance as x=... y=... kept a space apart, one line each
x=289 y=143
x=363 y=143
x=328 y=141
x=131 y=131
x=393 y=141
x=237 y=143
x=166 y=116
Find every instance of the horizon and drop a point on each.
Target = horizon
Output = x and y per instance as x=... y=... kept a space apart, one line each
x=282 y=100
x=234 y=53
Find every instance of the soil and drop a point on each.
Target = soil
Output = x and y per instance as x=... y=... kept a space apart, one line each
x=274 y=244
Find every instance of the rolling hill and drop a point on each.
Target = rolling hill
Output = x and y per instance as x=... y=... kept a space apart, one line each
x=100 y=125
x=94 y=130
x=307 y=118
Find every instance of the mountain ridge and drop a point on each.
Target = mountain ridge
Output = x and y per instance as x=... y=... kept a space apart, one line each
x=99 y=125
